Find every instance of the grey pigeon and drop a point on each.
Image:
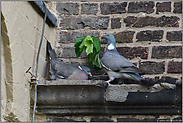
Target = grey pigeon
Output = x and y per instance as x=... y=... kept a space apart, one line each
x=62 y=70
x=118 y=66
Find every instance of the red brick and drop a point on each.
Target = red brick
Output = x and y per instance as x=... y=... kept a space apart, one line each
x=161 y=52
x=163 y=7
x=142 y=6
x=150 y=67
x=124 y=37
x=115 y=23
x=133 y=52
x=177 y=7
x=174 y=67
x=164 y=21
x=113 y=8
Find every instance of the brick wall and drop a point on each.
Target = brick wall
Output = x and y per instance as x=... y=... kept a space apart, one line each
x=153 y=43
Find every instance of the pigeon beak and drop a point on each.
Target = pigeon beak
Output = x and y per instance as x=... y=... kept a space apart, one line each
x=90 y=74
x=102 y=35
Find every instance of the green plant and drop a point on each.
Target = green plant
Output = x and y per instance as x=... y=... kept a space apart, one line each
x=92 y=47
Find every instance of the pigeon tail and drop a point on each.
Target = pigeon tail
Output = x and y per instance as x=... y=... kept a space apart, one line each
x=51 y=52
x=136 y=76
x=49 y=48
x=141 y=80
x=146 y=82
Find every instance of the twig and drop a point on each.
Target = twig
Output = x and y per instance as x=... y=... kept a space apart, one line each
x=132 y=24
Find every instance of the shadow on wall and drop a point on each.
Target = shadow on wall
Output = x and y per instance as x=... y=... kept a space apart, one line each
x=6 y=73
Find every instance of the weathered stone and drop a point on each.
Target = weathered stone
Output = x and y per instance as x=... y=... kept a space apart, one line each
x=144 y=95
x=125 y=81
x=161 y=52
x=87 y=97
x=124 y=37
x=76 y=92
x=67 y=8
x=150 y=67
x=167 y=79
x=149 y=120
x=70 y=36
x=174 y=67
x=163 y=21
x=72 y=22
x=163 y=79
x=113 y=8
x=57 y=119
x=164 y=120
x=89 y=8
x=115 y=23
x=153 y=80
x=68 y=52
x=92 y=33
x=149 y=35
x=174 y=36
x=163 y=7
x=101 y=120
x=128 y=120
x=177 y=119
x=133 y=52
x=177 y=7
x=136 y=120
x=142 y=6
x=11 y=117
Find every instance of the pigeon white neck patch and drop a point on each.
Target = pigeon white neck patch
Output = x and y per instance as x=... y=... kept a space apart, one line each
x=110 y=46
x=80 y=67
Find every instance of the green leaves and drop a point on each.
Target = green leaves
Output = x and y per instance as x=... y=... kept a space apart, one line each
x=78 y=46
x=88 y=42
x=97 y=43
x=92 y=48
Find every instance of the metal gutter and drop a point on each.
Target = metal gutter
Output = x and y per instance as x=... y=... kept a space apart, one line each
x=51 y=17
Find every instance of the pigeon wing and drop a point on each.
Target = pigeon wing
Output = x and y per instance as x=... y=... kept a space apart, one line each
x=62 y=69
x=112 y=60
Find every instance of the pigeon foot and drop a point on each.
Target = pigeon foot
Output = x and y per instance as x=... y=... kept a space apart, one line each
x=108 y=82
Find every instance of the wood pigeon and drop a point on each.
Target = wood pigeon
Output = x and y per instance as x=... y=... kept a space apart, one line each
x=62 y=70
x=118 y=66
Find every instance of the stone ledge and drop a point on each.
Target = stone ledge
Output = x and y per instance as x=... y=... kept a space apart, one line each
x=88 y=97
x=72 y=82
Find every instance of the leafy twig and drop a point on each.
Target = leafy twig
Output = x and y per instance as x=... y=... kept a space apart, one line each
x=92 y=47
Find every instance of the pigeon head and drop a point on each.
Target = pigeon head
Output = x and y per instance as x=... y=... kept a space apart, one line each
x=111 y=40
x=86 y=70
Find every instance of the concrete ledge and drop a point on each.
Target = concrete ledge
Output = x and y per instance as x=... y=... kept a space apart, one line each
x=73 y=97
x=73 y=82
